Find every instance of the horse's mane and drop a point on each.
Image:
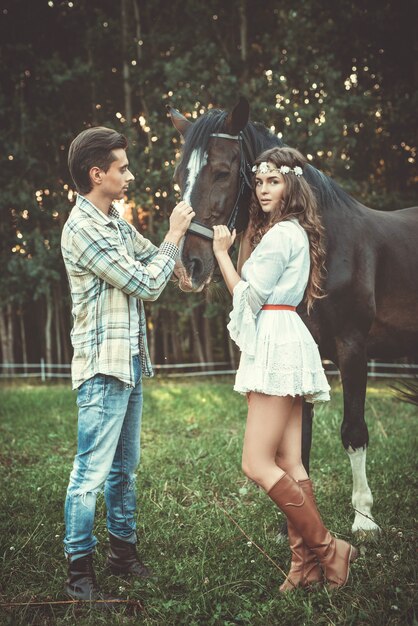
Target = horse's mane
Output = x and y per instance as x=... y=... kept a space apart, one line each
x=198 y=133
x=329 y=194
x=258 y=138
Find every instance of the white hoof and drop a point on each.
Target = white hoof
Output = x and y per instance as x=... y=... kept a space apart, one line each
x=364 y=524
x=281 y=538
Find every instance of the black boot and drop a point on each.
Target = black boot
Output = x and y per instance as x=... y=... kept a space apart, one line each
x=123 y=559
x=81 y=583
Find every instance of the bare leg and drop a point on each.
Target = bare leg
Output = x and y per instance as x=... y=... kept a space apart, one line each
x=273 y=424
x=289 y=452
x=274 y=427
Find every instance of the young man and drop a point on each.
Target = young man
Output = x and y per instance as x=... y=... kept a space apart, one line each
x=111 y=270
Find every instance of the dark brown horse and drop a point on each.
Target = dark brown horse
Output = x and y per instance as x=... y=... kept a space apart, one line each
x=372 y=267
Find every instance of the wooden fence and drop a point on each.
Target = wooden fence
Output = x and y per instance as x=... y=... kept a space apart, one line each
x=48 y=371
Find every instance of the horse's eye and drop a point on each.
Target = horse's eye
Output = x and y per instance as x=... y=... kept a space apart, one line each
x=220 y=176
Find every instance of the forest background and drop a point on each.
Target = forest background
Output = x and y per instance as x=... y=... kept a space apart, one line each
x=337 y=79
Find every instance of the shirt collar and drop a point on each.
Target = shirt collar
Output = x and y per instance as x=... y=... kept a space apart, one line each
x=85 y=205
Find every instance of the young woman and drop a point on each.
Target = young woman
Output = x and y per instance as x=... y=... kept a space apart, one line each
x=280 y=362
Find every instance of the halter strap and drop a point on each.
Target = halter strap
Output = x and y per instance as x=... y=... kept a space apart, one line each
x=225 y=136
x=196 y=227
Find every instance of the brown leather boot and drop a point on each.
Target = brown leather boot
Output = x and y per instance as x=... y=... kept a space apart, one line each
x=334 y=555
x=304 y=567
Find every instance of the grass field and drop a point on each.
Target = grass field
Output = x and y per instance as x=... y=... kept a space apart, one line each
x=192 y=497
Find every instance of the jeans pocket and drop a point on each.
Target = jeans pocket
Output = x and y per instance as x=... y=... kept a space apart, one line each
x=136 y=361
x=84 y=392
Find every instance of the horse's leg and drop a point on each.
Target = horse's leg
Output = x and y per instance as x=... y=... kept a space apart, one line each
x=307 y=415
x=354 y=433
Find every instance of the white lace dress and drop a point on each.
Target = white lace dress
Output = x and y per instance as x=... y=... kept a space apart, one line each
x=278 y=354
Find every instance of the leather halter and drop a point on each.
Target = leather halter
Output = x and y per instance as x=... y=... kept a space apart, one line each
x=200 y=229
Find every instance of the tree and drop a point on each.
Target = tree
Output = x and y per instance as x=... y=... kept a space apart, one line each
x=336 y=80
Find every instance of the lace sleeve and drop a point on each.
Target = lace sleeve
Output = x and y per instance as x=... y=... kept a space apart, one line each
x=269 y=262
x=242 y=326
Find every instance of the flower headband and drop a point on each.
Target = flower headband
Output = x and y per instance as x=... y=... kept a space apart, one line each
x=265 y=168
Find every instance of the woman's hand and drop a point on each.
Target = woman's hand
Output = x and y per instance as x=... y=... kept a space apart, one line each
x=222 y=239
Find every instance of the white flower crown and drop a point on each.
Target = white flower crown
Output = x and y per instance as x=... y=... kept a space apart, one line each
x=265 y=168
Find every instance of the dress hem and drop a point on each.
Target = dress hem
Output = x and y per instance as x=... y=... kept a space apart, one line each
x=313 y=397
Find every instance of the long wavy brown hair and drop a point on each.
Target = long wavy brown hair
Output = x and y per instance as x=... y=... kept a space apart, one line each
x=299 y=203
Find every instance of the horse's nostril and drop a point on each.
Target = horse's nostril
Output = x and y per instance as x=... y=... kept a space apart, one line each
x=196 y=267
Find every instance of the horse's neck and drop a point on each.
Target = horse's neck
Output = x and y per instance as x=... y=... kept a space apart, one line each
x=258 y=139
x=334 y=203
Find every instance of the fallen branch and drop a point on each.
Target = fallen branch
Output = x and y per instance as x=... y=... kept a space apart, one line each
x=263 y=552
x=136 y=603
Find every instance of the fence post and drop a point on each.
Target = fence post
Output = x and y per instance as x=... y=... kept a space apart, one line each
x=372 y=367
x=43 y=370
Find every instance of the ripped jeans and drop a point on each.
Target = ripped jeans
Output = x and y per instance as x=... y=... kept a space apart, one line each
x=108 y=452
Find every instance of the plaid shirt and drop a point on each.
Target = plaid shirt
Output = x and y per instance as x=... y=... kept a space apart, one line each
x=103 y=273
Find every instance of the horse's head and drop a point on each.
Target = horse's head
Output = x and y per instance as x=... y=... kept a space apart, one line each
x=210 y=175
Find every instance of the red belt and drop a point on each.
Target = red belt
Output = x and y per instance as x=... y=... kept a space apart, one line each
x=278 y=307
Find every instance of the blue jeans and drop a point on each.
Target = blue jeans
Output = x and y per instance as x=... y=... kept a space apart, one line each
x=108 y=452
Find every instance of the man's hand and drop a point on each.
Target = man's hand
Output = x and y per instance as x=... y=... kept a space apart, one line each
x=180 y=220
x=178 y=270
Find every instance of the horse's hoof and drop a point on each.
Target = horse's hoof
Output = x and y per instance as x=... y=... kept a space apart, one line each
x=365 y=527
x=281 y=538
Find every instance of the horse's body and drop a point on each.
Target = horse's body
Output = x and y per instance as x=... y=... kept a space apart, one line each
x=371 y=309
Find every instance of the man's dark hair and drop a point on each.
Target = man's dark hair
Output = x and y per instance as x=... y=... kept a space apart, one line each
x=92 y=148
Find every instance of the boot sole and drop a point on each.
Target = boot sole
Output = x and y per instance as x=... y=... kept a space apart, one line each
x=77 y=597
x=313 y=586
x=352 y=557
x=102 y=604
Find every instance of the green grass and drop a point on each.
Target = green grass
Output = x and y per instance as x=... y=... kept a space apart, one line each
x=190 y=488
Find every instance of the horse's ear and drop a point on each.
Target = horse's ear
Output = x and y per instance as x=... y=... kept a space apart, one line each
x=180 y=122
x=238 y=118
